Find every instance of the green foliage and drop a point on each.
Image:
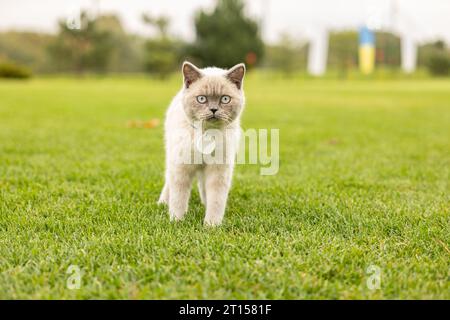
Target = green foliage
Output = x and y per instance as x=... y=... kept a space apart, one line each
x=343 y=51
x=127 y=55
x=46 y=53
x=436 y=57
x=27 y=49
x=387 y=50
x=162 y=52
x=161 y=23
x=162 y=57
x=226 y=36
x=13 y=71
x=286 y=56
x=87 y=49
x=439 y=63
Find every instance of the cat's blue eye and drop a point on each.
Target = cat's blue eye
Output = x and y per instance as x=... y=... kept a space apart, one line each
x=201 y=99
x=225 y=99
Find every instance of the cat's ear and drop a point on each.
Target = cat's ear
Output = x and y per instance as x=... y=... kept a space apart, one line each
x=190 y=73
x=236 y=74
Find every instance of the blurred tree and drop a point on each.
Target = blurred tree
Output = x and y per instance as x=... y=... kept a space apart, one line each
x=343 y=51
x=162 y=52
x=436 y=57
x=286 y=56
x=226 y=36
x=127 y=50
x=439 y=63
x=26 y=48
x=161 y=23
x=87 y=48
x=388 y=50
x=32 y=49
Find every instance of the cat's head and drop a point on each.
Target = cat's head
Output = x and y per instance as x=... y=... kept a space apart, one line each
x=213 y=95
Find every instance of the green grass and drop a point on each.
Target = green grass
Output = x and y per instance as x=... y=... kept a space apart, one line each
x=363 y=180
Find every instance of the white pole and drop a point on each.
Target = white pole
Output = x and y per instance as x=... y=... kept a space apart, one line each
x=409 y=53
x=318 y=52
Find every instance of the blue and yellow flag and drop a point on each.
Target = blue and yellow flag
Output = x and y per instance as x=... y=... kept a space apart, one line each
x=366 y=50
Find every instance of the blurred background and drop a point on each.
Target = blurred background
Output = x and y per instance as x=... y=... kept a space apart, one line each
x=360 y=93
x=344 y=39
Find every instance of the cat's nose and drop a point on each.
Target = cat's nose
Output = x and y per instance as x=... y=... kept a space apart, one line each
x=213 y=109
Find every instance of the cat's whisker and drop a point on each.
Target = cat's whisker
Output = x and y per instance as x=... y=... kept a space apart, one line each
x=225 y=118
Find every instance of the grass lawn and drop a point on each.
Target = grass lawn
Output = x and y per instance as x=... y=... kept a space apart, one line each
x=363 y=181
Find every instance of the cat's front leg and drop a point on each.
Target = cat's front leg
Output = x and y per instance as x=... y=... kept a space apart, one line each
x=180 y=181
x=164 y=197
x=217 y=185
x=201 y=187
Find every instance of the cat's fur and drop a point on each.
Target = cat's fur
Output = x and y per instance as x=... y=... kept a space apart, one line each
x=185 y=111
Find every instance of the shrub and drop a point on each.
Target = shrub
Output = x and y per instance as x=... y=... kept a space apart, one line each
x=13 y=71
x=438 y=63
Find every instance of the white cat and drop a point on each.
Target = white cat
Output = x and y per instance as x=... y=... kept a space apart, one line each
x=211 y=100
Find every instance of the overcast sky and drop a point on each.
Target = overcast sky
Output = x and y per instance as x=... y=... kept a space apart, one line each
x=427 y=19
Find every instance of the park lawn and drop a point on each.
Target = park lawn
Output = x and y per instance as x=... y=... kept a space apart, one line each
x=362 y=194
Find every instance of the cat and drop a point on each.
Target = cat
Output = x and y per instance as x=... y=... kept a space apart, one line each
x=211 y=99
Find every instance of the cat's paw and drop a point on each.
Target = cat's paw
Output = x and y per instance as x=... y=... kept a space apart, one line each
x=162 y=201
x=175 y=218
x=176 y=215
x=212 y=222
x=164 y=196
